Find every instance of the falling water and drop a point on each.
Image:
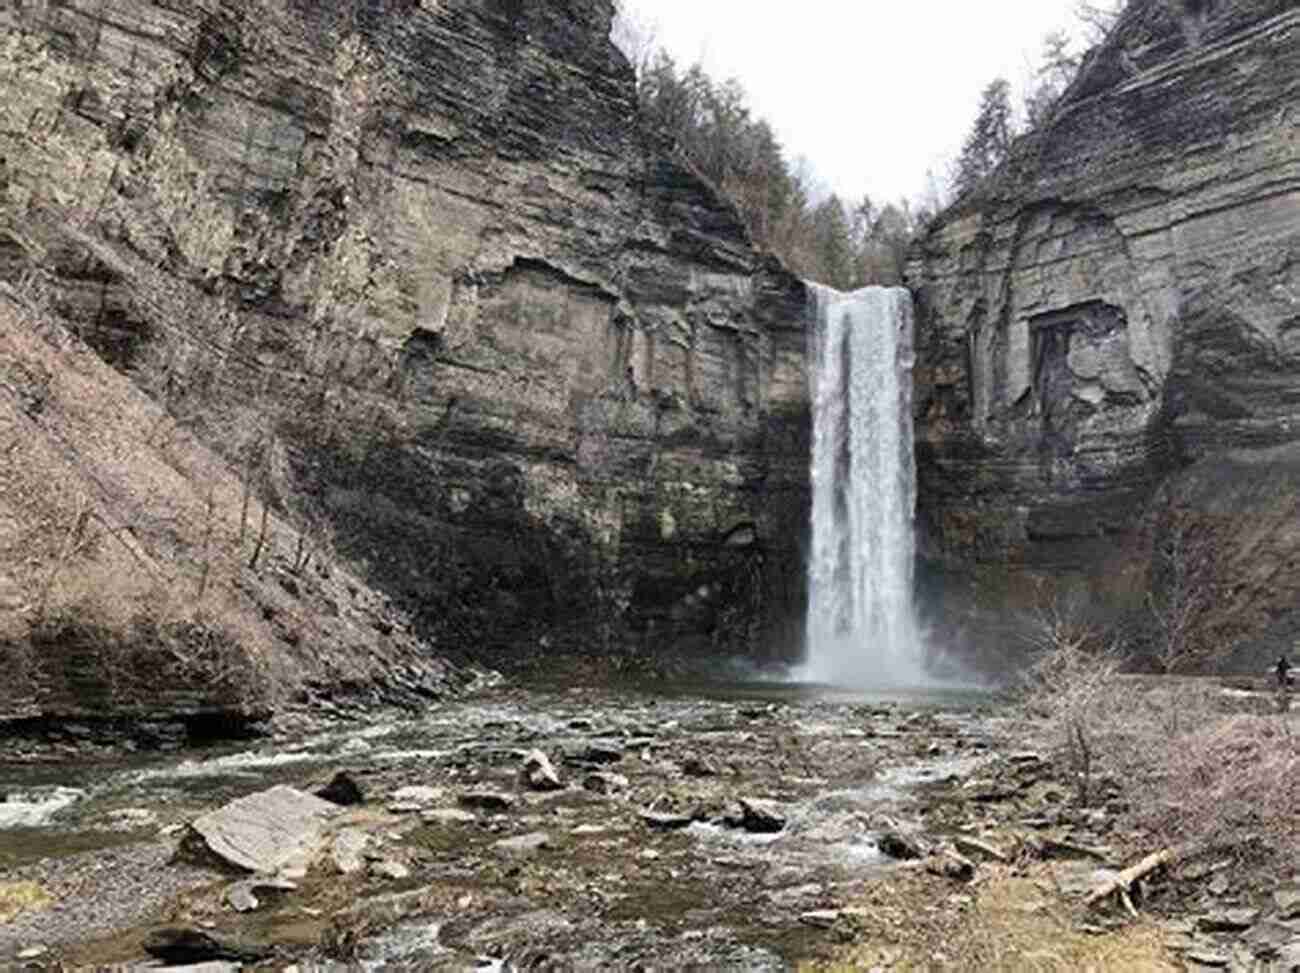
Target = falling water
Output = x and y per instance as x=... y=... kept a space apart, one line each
x=861 y=627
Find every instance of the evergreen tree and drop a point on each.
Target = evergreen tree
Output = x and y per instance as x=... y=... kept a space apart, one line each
x=989 y=140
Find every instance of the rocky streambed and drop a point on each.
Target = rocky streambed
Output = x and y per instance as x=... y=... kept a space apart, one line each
x=742 y=830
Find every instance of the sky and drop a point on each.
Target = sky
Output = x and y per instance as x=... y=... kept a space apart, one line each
x=872 y=92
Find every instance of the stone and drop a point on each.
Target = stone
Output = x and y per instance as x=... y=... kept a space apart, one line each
x=1227 y=920
x=448 y=815
x=697 y=766
x=406 y=800
x=895 y=844
x=347 y=851
x=523 y=845
x=947 y=863
x=487 y=800
x=539 y=773
x=179 y=946
x=343 y=790
x=1288 y=903
x=604 y=782
x=760 y=816
x=390 y=869
x=241 y=898
x=1288 y=957
x=659 y=821
x=33 y=952
x=264 y=831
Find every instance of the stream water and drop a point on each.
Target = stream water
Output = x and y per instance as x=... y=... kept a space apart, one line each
x=842 y=768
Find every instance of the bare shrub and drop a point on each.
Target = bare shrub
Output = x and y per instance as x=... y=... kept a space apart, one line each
x=1231 y=786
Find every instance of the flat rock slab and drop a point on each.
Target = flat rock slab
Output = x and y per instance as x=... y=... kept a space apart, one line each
x=1228 y=920
x=266 y=831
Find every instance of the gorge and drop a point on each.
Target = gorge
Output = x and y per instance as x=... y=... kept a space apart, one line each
x=441 y=355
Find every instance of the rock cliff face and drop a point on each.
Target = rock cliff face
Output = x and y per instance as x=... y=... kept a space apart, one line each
x=1115 y=321
x=413 y=266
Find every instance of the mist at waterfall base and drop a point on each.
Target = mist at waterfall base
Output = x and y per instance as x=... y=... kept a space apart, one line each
x=861 y=630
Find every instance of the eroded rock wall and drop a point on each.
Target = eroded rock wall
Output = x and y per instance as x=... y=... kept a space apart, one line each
x=527 y=369
x=1120 y=305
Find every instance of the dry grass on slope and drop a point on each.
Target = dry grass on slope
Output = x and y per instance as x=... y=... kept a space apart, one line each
x=125 y=550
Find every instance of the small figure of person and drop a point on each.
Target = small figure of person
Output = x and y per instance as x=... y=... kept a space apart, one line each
x=1283 y=670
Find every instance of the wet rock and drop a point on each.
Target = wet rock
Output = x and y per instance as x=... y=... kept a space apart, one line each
x=263 y=832
x=539 y=773
x=1288 y=903
x=605 y=782
x=1227 y=920
x=406 y=800
x=487 y=800
x=523 y=845
x=177 y=946
x=760 y=817
x=661 y=821
x=348 y=850
x=894 y=844
x=343 y=790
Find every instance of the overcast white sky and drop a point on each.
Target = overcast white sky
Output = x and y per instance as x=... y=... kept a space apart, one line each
x=871 y=91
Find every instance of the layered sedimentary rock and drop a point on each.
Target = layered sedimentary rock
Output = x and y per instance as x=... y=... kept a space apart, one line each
x=415 y=267
x=1116 y=317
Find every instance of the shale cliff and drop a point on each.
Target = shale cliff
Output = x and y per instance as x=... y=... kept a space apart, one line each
x=414 y=270
x=1109 y=338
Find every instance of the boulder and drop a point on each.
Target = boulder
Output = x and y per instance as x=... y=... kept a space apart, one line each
x=760 y=817
x=265 y=831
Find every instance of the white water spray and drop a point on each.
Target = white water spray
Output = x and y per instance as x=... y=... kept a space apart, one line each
x=861 y=627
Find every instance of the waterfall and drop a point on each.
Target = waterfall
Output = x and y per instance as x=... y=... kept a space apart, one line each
x=861 y=627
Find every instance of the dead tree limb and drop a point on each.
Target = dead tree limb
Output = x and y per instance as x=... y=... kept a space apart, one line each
x=1122 y=883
